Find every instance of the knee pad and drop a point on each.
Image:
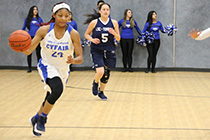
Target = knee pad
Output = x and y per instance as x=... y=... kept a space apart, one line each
x=56 y=86
x=106 y=75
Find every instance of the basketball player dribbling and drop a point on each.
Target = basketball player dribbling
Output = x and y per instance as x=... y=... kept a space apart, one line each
x=58 y=42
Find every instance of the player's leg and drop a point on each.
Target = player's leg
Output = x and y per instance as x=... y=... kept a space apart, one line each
x=103 y=82
x=110 y=62
x=34 y=119
x=56 y=87
x=97 y=58
x=99 y=73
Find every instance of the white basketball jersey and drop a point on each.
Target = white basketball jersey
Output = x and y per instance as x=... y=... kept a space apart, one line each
x=55 y=51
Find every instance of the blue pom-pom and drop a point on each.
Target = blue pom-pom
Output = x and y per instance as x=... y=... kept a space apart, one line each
x=140 y=40
x=150 y=37
x=86 y=42
x=82 y=43
x=170 y=29
x=145 y=37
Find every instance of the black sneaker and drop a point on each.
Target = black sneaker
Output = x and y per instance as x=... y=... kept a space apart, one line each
x=102 y=96
x=32 y=122
x=95 y=88
x=147 y=71
x=154 y=71
x=124 y=70
x=130 y=70
x=29 y=71
x=40 y=125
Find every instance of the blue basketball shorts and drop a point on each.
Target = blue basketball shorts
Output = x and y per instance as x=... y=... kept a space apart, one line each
x=103 y=58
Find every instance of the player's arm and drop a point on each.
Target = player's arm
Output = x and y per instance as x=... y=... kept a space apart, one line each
x=199 y=35
x=115 y=31
x=89 y=30
x=40 y=34
x=75 y=37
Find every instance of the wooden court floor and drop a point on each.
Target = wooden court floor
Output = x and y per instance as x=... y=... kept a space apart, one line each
x=140 y=106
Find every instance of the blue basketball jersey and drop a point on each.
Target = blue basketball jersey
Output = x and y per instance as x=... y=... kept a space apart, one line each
x=101 y=32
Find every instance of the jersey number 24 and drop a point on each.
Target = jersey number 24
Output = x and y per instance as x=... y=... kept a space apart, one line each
x=57 y=54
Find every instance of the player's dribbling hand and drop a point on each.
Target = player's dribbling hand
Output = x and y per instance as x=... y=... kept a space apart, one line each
x=70 y=59
x=95 y=40
x=194 y=34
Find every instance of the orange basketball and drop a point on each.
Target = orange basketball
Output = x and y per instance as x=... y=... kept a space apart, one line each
x=19 y=40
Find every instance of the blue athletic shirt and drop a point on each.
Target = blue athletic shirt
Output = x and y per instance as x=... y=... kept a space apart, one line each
x=155 y=28
x=101 y=32
x=127 y=31
x=34 y=25
x=73 y=24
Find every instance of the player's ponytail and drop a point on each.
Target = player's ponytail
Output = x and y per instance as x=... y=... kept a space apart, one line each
x=95 y=15
x=47 y=23
x=91 y=17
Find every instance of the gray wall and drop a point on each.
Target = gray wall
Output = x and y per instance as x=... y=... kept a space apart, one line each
x=189 y=52
x=189 y=14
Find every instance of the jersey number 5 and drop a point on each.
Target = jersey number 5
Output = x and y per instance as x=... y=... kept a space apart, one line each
x=104 y=37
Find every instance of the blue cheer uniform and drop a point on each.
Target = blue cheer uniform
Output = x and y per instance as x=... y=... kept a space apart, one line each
x=127 y=31
x=155 y=28
x=34 y=25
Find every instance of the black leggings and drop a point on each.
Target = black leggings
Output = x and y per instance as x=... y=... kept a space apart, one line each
x=56 y=87
x=38 y=54
x=152 y=53
x=127 y=50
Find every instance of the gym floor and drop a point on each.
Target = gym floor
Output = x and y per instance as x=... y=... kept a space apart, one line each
x=140 y=106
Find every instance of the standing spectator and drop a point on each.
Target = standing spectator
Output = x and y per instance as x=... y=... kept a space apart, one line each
x=127 y=38
x=32 y=23
x=152 y=25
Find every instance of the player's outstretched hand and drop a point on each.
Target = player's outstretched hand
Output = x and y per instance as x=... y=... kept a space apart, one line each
x=194 y=34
